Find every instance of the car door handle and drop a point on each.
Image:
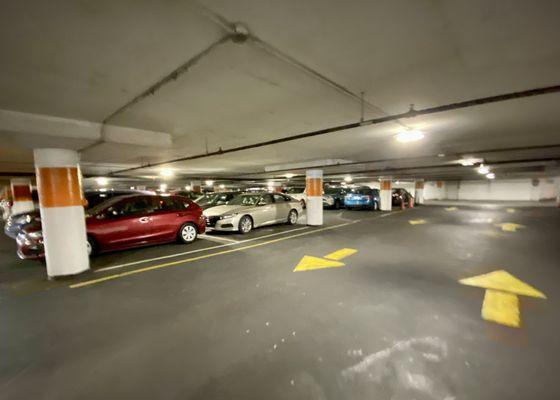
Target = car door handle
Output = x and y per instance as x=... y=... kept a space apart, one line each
x=144 y=219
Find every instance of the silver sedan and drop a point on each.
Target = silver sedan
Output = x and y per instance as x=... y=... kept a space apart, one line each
x=251 y=210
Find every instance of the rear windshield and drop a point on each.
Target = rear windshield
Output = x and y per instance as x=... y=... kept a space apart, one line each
x=361 y=190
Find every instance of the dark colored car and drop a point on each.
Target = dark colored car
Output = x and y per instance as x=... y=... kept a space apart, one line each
x=362 y=197
x=401 y=198
x=333 y=197
x=128 y=221
x=215 y=199
x=187 y=193
x=15 y=223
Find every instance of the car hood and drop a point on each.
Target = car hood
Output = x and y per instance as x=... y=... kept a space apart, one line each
x=225 y=209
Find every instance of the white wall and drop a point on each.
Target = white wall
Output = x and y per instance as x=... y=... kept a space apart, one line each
x=510 y=190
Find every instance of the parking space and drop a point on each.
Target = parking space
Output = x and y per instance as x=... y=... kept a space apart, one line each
x=392 y=321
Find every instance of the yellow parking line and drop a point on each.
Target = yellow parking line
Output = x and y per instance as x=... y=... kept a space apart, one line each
x=340 y=254
x=169 y=264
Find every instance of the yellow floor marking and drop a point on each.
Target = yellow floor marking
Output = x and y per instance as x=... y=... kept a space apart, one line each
x=188 y=260
x=451 y=209
x=510 y=226
x=417 y=221
x=340 y=254
x=309 y=263
x=502 y=308
x=501 y=304
x=511 y=210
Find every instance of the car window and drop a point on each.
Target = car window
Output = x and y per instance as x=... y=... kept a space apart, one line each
x=245 y=200
x=278 y=198
x=132 y=206
x=295 y=190
x=265 y=199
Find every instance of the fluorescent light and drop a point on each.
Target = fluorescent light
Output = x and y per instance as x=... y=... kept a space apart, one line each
x=490 y=175
x=469 y=162
x=163 y=187
x=222 y=186
x=290 y=176
x=441 y=155
x=411 y=135
x=187 y=187
x=132 y=188
x=166 y=172
x=102 y=181
x=483 y=169
x=348 y=179
x=209 y=182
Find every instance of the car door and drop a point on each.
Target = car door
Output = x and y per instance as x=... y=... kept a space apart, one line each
x=282 y=207
x=164 y=219
x=265 y=212
x=125 y=224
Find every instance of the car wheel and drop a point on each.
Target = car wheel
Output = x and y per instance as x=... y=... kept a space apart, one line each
x=292 y=217
x=188 y=233
x=91 y=246
x=245 y=224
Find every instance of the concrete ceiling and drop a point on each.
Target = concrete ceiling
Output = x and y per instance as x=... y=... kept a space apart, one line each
x=67 y=66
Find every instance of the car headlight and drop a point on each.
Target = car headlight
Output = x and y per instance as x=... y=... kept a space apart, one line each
x=35 y=235
x=228 y=216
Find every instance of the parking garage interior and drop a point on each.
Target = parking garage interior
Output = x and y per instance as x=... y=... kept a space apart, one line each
x=279 y=199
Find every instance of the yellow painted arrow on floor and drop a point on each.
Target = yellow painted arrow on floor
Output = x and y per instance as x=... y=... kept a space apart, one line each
x=510 y=226
x=417 y=221
x=331 y=260
x=501 y=304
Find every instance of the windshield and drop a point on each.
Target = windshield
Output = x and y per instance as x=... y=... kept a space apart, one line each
x=295 y=190
x=332 y=190
x=206 y=199
x=245 y=200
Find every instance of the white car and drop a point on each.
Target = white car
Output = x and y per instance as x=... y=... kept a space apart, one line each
x=298 y=194
x=251 y=210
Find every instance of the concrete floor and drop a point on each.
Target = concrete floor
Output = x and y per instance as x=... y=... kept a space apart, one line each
x=393 y=323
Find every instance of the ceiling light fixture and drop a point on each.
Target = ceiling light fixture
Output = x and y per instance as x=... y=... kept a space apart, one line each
x=348 y=179
x=222 y=186
x=166 y=172
x=483 y=169
x=490 y=175
x=188 y=187
x=102 y=181
x=290 y=176
x=163 y=187
x=411 y=135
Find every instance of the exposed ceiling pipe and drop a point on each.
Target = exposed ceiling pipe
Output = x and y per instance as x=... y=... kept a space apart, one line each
x=375 y=121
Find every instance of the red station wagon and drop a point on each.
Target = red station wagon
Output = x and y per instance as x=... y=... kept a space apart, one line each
x=128 y=221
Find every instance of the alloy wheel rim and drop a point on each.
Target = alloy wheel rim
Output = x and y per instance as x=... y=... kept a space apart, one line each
x=189 y=233
x=293 y=217
x=246 y=225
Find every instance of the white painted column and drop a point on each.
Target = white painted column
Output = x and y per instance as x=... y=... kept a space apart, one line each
x=62 y=212
x=196 y=186
x=419 y=192
x=440 y=190
x=385 y=194
x=21 y=195
x=314 y=192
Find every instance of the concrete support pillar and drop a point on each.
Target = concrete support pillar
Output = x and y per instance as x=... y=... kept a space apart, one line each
x=314 y=192
x=419 y=192
x=385 y=194
x=196 y=186
x=62 y=212
x=21 y=195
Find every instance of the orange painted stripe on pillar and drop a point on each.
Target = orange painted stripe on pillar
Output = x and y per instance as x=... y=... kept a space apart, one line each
x=385 y=185
x=314 y=187
x=21 y=193
x=439 y=184
x=419 y=185
x=59 y=187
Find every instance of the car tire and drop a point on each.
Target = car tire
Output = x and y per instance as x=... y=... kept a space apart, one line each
x=292 y=217
x=187 y=233
x=245 y=224
x=91 y=246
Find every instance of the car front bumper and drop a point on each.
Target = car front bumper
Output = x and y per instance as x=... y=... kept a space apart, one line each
x=224 y=225
x=29 y=249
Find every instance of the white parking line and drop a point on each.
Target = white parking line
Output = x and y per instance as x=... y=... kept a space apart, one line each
x=195 y=251
x=218 y=239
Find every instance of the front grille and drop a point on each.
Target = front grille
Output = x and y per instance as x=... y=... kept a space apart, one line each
x=211 y=221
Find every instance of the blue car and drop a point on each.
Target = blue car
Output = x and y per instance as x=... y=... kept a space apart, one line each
x=362 y=197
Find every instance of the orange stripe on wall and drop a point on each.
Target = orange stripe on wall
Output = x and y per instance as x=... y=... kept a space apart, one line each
x=59 y=187
x=21 y=193
x=419 y=185
x=314 y=187
x=385 y=185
